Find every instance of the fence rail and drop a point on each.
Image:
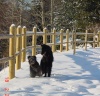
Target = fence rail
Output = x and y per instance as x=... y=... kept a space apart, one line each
x=17 y=43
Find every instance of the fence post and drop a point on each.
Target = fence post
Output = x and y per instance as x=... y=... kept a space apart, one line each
x=67 y=40
x=34 y=42
x=99 y=39
x=54 y=40
x=74 y=43
x=72 y=39
x=61 y=40
x=45 y=35
x=94 y=39
x=24 y=44
x=86 y=39
x=12 y=49
x=18 y=48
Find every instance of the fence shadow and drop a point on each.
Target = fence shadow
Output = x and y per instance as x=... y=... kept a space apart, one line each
x=89 y=62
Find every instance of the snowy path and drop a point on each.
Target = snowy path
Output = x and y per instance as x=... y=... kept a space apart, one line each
x=72 y=75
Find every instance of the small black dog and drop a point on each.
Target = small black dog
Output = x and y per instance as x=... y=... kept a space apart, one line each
x=47 y=60
x=35 y=69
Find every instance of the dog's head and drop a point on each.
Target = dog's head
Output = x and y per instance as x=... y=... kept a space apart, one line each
x=45 y=49
x=31 y=59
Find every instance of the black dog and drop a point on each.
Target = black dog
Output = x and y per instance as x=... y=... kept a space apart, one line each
x=35 y=69
x=47 y=60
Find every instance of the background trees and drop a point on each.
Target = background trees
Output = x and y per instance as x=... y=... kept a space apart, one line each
x=38 y=12
x=72 y=14
x=85 y=12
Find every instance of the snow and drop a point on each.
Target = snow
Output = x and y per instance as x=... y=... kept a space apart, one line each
x=72 y=75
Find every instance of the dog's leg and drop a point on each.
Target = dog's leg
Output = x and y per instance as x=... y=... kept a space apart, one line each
x=32 y=72
x=39 y=73
x=45 y=71
x=49 y=72
x=49 y=69
x=32 y=76
x=45 y=74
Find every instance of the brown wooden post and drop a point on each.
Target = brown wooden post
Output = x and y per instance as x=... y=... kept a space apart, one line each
x=94 y=39
x=67 y=40
x=34 y=41
x=18 y=48
x=12 y=50
x=45 y=36
x=86 y=39
x=54 y=40
x=97 y=42
x=24 y=44
x=99 y=39
x=74 y=43
x=72 y=39
x=61 y=40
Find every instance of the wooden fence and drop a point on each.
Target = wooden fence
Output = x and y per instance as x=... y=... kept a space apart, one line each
x=17 y=44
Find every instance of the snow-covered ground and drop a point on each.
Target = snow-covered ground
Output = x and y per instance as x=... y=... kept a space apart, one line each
x=72 y=75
